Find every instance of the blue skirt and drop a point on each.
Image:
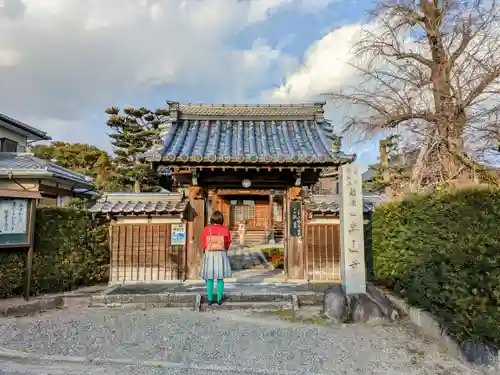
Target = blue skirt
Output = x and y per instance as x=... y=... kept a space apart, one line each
x=215 y=265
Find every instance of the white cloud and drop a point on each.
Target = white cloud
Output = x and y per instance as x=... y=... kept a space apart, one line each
x=61 y=59
x=325 y=67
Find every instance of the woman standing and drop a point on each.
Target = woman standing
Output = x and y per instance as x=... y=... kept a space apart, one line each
x=216 y=240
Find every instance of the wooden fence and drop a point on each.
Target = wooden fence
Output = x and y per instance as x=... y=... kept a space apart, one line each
x=322 y=252
x=143 y=252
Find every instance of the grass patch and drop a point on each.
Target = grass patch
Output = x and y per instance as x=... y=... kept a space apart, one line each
x=301 y=317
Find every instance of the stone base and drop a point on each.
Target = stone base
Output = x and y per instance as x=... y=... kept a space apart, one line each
x=358 y=308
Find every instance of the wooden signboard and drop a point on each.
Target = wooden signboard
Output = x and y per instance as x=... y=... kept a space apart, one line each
x=17 y=228
x=14 y=222
x=295 y=218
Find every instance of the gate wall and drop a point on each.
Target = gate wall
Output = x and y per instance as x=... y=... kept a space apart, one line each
x=143 y=253
x=323 y=250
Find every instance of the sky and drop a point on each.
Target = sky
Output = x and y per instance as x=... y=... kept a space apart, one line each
x=62 y=62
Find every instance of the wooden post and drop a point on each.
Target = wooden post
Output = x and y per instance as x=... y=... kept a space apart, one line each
x=29 y=255
x=195 y=227
x=296 y=239
x=270 y=219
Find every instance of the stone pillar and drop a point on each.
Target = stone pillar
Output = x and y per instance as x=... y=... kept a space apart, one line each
x=242 y=229
x=352 y=249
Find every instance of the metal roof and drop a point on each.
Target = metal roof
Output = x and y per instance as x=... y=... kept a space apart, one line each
x=253 y=134
x=140 y=203
x=18 y=125
x=25 y=165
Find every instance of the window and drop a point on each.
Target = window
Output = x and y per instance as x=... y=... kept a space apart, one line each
x=242 y=210
x=8 y=145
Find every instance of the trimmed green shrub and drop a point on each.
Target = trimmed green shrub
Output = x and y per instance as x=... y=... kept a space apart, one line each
x=70 y=251
x=441 y=252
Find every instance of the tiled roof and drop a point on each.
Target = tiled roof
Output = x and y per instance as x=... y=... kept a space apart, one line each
x=293 y=135
x=140 y=203
x=26 y=165
x=331 y=203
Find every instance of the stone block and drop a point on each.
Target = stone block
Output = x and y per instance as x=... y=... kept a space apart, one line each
x=388 y=308
x=23 y=308
x=363 y=309
x=335 y=305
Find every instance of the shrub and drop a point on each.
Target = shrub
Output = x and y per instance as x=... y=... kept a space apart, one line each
x=70 y=250
x=276 y=256
x=442 y=253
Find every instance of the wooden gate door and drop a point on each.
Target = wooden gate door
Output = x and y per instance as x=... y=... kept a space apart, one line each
x=323 y=252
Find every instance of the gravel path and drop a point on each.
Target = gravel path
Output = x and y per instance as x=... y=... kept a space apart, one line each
x=169 y=341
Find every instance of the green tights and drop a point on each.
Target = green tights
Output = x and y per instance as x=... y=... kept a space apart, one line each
x=210 y=289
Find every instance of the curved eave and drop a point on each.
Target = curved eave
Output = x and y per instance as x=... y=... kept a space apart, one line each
x=43 y=174
x=249 y=162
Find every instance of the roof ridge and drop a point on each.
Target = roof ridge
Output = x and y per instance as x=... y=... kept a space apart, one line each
x=248 y=105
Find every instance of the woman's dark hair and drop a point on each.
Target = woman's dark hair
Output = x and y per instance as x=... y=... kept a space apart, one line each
x=217 y=218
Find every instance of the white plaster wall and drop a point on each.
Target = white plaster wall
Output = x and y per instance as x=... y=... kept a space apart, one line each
x=19 y=138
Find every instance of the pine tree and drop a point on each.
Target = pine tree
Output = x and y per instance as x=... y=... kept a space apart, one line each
x=82 y=158
x=134 y=131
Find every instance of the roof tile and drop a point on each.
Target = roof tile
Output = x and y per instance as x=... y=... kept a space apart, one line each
x=145 y=203
x=27 y=163
x=248 y=134
x=331 y=203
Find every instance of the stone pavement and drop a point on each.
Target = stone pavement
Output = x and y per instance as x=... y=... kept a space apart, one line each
x=79 y=341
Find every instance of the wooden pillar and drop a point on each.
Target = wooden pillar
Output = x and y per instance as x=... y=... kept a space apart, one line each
x=196 y=221
x=295 y=233
x=270 y=219
x=216 y=202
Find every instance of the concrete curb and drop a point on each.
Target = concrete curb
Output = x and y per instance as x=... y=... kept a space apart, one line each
x=25 y=308
x=476 y=355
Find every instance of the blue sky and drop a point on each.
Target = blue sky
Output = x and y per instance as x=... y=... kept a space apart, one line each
x=67 y=60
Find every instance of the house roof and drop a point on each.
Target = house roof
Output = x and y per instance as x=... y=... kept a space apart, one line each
x=20 y=127
x=140 y=203
x=294 y=134
x=25 y=165
x=331 y=203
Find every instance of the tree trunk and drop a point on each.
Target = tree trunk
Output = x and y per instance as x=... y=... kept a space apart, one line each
x=416 y=172
x=450 y=117
x=386 y=176
x=137 y=186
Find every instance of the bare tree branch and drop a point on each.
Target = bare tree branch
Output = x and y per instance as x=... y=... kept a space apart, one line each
x=431 y=70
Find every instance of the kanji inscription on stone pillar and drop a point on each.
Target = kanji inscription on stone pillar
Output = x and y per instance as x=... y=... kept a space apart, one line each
x=352 y=244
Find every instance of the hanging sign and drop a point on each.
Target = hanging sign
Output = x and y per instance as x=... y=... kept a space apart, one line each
x=295 y=218
x=178 y=236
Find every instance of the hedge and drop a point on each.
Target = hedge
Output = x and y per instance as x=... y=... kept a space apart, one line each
x=441 y=252
x=70 y=251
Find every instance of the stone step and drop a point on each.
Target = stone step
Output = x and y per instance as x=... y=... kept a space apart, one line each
x=257 y=306
x=197 y=300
